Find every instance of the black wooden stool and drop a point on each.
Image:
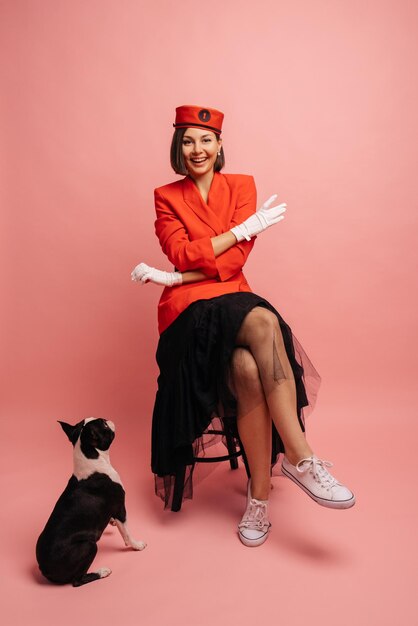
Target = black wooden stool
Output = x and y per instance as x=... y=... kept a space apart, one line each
x=232 y=457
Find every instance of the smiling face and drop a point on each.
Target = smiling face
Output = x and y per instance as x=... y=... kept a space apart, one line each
x=200 y=149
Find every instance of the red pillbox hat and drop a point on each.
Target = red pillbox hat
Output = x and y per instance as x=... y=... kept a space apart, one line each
x=189 y=115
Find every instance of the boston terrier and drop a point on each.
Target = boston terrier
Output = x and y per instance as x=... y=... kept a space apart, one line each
x=93 y=498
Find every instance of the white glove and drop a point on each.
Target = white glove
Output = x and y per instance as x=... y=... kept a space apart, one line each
x=259 y=221
x=143 y=273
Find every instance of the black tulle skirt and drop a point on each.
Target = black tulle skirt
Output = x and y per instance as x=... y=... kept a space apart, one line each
x=193 y=356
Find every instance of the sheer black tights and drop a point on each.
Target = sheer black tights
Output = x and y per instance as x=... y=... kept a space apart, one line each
x=262 y=381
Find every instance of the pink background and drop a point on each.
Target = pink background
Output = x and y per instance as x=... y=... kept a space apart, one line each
x=320 y=100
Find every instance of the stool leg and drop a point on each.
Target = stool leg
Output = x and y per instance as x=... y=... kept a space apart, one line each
x=178 y=489
x=230 y=444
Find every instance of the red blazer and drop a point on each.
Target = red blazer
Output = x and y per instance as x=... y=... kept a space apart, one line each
x=184 y=227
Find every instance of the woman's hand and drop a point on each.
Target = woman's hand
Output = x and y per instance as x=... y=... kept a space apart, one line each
x=143 y=273
x=264 y=217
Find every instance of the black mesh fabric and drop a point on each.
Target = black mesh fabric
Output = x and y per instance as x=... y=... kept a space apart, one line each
x=193 y=394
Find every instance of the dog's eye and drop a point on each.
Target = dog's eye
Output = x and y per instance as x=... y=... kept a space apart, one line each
x=106 y=425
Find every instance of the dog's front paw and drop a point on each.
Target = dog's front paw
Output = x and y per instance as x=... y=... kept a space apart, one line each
x=137 y=545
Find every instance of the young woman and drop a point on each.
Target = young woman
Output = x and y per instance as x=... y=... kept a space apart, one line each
x=225 y=352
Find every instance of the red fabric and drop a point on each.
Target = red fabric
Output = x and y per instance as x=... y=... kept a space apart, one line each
x=184 y=227
x=198 y=117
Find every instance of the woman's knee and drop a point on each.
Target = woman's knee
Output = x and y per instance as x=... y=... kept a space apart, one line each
x=244 y=370
x=261 y=324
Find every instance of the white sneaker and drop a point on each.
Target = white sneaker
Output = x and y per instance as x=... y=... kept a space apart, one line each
x=254 y=527
x=313 y=477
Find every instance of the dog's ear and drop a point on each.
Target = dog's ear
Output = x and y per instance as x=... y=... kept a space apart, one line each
x=68 y=429
x=72 y=432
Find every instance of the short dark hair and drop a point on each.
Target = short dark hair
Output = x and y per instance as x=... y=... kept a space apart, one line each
x=176 y=154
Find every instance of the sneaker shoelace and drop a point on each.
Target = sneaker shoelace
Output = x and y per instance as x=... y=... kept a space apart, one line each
x=317 y=467
x=255 y=516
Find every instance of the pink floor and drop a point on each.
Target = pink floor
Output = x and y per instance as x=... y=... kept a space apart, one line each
x=319 y=566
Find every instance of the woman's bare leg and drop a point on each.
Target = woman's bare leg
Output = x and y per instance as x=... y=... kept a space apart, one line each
x=260 y=332
x=253 y=420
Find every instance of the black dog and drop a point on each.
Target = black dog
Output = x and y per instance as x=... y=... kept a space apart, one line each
x=93 y=498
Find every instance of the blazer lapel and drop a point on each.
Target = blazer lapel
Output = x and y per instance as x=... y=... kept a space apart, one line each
x=218 y=201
